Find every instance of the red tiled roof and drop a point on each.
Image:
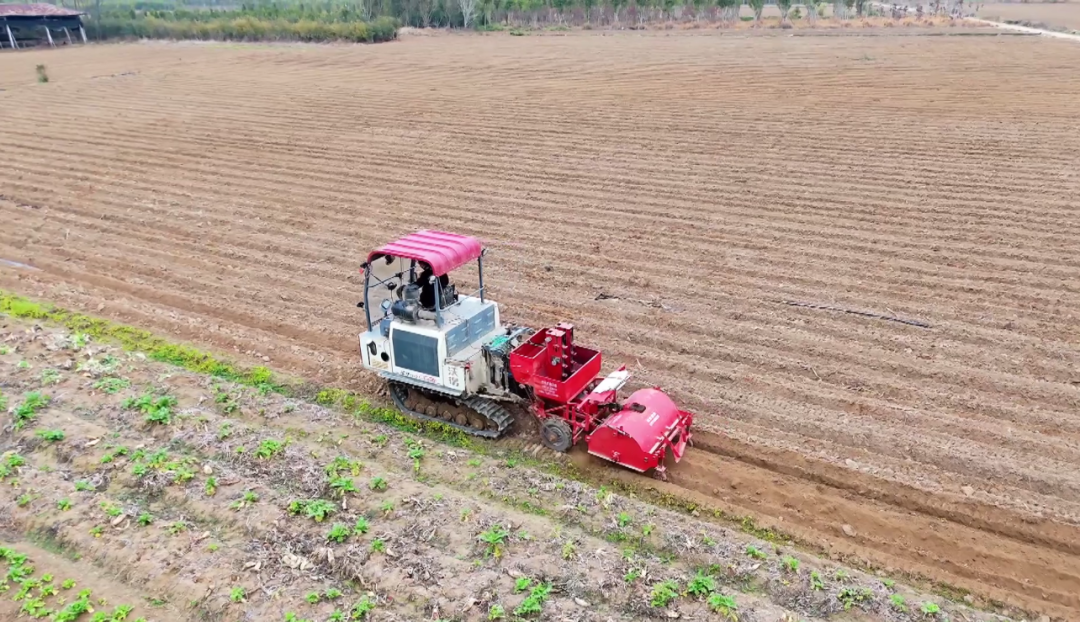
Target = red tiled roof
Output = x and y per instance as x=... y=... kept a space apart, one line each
x=36 y=10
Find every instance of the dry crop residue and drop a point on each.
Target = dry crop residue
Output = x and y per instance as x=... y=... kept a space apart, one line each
x=227 y=194
x=184 y=498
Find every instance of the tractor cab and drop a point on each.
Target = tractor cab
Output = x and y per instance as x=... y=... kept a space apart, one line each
x=420 y=329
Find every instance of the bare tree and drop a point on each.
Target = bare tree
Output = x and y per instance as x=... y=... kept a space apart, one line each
x=468 y=10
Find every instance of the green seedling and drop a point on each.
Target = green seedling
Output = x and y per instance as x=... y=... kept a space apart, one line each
x=343 y=486
x=315 y=509
x=362 y=607
x=896 y=601
x=111 y=385
x=238 y=595
x=27 y=411
x=494 y=538
x=247 y=499
x=361 y=527
x=338 y=533
x=342 y=466
x=663 y=593
x=534 y=602
x=269 y=448
x=702 y=584
x=724 y=605
x=754 y=552
x=850 y=597
x=64 y=504
x=378 y=483
x=155 y=409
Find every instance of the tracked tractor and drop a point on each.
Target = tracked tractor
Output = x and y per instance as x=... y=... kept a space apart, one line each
x=449 y=358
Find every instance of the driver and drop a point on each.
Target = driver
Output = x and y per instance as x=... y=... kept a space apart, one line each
x=427 y=288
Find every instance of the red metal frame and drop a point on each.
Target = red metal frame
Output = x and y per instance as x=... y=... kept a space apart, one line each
x=565 y=381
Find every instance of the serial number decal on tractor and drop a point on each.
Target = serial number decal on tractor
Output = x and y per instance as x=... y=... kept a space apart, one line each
x=418 y=376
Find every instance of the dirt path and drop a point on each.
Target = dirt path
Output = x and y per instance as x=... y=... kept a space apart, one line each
x=1018 y=28
x=225 y=194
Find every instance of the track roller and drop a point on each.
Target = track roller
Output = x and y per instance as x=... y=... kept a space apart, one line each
x=472 y=415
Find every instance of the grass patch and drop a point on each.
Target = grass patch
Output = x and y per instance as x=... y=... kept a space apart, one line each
x=193 y=359
x=27 y=411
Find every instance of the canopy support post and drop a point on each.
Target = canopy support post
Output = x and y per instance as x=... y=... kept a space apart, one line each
x=83 y=33
x=11 y=37
x=48 y=33
x=68 y=33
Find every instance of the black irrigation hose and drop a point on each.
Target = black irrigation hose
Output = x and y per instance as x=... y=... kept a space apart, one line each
x=853 y=312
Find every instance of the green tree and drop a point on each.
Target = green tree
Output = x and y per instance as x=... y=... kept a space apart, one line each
x=616 y=7
x=729 y=9
x=669 y=9
x=758 y=6
x=700 y=6
x=785 y=8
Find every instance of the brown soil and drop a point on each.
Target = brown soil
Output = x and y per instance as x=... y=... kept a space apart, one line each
x=155 y=515
x=226 y=194
x=1051 y=16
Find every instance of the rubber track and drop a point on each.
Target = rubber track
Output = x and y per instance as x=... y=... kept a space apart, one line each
x=485 y=408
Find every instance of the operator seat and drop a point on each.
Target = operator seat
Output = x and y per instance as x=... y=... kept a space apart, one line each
x=427 y=290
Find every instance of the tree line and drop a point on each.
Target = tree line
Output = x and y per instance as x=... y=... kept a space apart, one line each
x=379 y=20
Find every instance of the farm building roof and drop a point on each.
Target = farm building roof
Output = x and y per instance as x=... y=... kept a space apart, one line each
x=36 y=10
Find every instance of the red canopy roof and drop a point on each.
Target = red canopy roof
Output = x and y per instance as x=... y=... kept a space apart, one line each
x=440 y=250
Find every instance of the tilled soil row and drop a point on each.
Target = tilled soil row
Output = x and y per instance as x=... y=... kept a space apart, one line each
x=189 y=200
x=216 y=511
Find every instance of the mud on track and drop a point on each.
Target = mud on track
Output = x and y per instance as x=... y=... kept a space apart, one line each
x=226 y=194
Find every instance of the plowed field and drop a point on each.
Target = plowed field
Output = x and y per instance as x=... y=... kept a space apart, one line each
x=1057 y=16
x=227 y=194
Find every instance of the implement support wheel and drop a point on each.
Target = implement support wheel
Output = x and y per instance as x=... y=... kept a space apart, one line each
x=555 y=434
